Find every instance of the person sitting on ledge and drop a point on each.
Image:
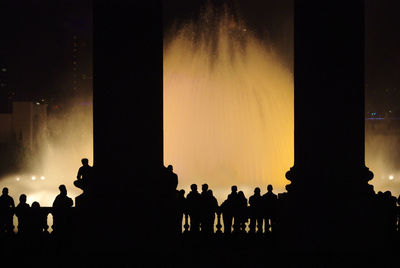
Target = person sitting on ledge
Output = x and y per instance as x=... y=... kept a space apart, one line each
x=84 y=175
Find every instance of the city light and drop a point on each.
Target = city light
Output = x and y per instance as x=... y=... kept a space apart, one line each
x=17 y=179
x=42 y=178
x=391 y=177
x=33 y=178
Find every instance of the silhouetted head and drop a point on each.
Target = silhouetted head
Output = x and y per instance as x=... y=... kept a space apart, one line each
x=5 y=191
x=193 y=187
x=182 y=192
x=170 y=168
x=257 y=191
x=241 y=194
x=35 y=204
x=85 y=161
x=387 y=193
x=22 y=198
x=63 y=189
x=210 y=193
x=269 y=188
x=204 y=187
x=234 y=189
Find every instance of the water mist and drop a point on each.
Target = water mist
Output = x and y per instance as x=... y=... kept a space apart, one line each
x=228 y=107
x=67 y=139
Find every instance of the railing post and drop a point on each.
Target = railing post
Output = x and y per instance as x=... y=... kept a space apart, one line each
x=219 y=226
x=186 y=225
x=44 y=220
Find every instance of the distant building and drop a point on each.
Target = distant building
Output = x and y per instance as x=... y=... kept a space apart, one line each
x=24 y=124
x=7 y=94
x=82 y=80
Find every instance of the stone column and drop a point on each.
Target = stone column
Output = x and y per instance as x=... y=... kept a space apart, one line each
x=329 y=192
x=128 y=123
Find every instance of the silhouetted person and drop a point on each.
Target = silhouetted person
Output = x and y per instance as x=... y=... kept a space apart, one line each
x=22 y=213
x=61 y=217
x=210 y=204
x=84 y=175
x=6 y=212
x=193 y=206
x=172 y=178
x=38 y=220
x=241 y=211
x=203 y=205
x=270 y=206
x=182 y=208
x=62 y=200
x=227 y=209
x=166 y=199
x=256 y=211
x=204 y=189
x=389 y=203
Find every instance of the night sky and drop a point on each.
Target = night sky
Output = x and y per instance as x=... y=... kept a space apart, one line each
x=382 y=55
x=36 y=44
x=36 y=41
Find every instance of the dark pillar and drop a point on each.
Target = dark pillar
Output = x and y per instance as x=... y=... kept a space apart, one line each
x=128 y=123
x=329 y=193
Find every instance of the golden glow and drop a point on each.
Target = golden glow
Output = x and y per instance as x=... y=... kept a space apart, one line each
x=228 y=109
x=67 y=139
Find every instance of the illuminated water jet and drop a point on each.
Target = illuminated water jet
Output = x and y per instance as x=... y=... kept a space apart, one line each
x=228 y=107
x=68 y=138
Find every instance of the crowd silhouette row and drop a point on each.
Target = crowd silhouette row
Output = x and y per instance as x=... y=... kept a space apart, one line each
x=200 y=211
x=197 y=212
x=32 y=220
x=258 y=214
x=237 y=212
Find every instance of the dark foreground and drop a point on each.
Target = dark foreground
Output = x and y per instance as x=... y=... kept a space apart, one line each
x=188 y=250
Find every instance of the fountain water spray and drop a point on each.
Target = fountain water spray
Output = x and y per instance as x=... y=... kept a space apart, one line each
x=228 y=107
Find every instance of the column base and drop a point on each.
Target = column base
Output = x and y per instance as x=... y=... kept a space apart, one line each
x=329 y=213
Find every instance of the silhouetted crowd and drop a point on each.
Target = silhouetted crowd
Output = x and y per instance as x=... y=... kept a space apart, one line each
x=258 y=214
x=237 y=212
x=32 y=220
x=197 y=212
